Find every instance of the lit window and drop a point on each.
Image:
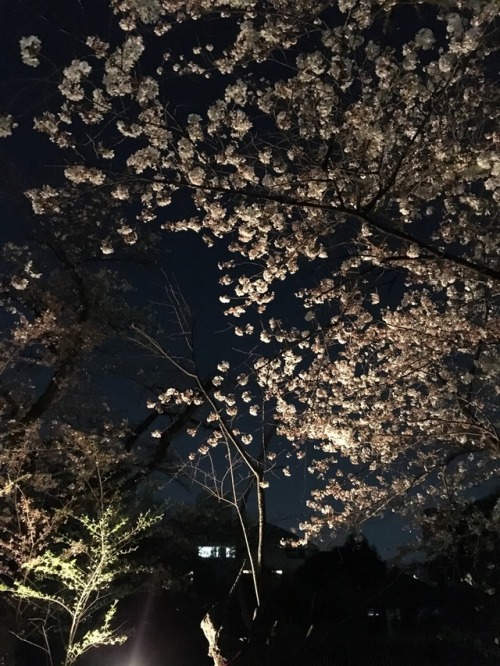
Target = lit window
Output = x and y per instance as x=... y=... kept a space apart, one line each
x=207 y=551
x=219 y=552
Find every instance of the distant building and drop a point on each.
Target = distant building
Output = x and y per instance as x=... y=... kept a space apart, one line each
x=280 y=555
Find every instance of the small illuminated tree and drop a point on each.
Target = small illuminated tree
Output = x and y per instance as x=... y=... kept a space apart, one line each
x=72 y=587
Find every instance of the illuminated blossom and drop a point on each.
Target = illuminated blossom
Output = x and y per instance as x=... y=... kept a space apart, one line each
x=6 y=126
x=30 y=50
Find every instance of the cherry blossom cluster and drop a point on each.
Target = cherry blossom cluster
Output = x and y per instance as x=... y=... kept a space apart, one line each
x=355 y=174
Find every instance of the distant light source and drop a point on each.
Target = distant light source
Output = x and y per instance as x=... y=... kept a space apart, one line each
x=220 y=552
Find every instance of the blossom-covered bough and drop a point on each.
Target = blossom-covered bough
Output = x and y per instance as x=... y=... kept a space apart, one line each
x=345 y=156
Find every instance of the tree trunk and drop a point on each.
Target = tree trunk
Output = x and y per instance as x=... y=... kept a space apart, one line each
x=222 y=646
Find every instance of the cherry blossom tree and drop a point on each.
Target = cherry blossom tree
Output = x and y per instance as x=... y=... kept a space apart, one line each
x=342 y=160
x=66 y=318
x=58 y=443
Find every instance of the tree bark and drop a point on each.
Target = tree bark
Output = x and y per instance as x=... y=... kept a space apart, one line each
x=222 y=647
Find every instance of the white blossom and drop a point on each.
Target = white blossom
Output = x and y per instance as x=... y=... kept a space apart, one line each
x=106 y=247
x=83 y=174
x=425 y=39
x=19 y=283
x=30 y=50
x=7 y=124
